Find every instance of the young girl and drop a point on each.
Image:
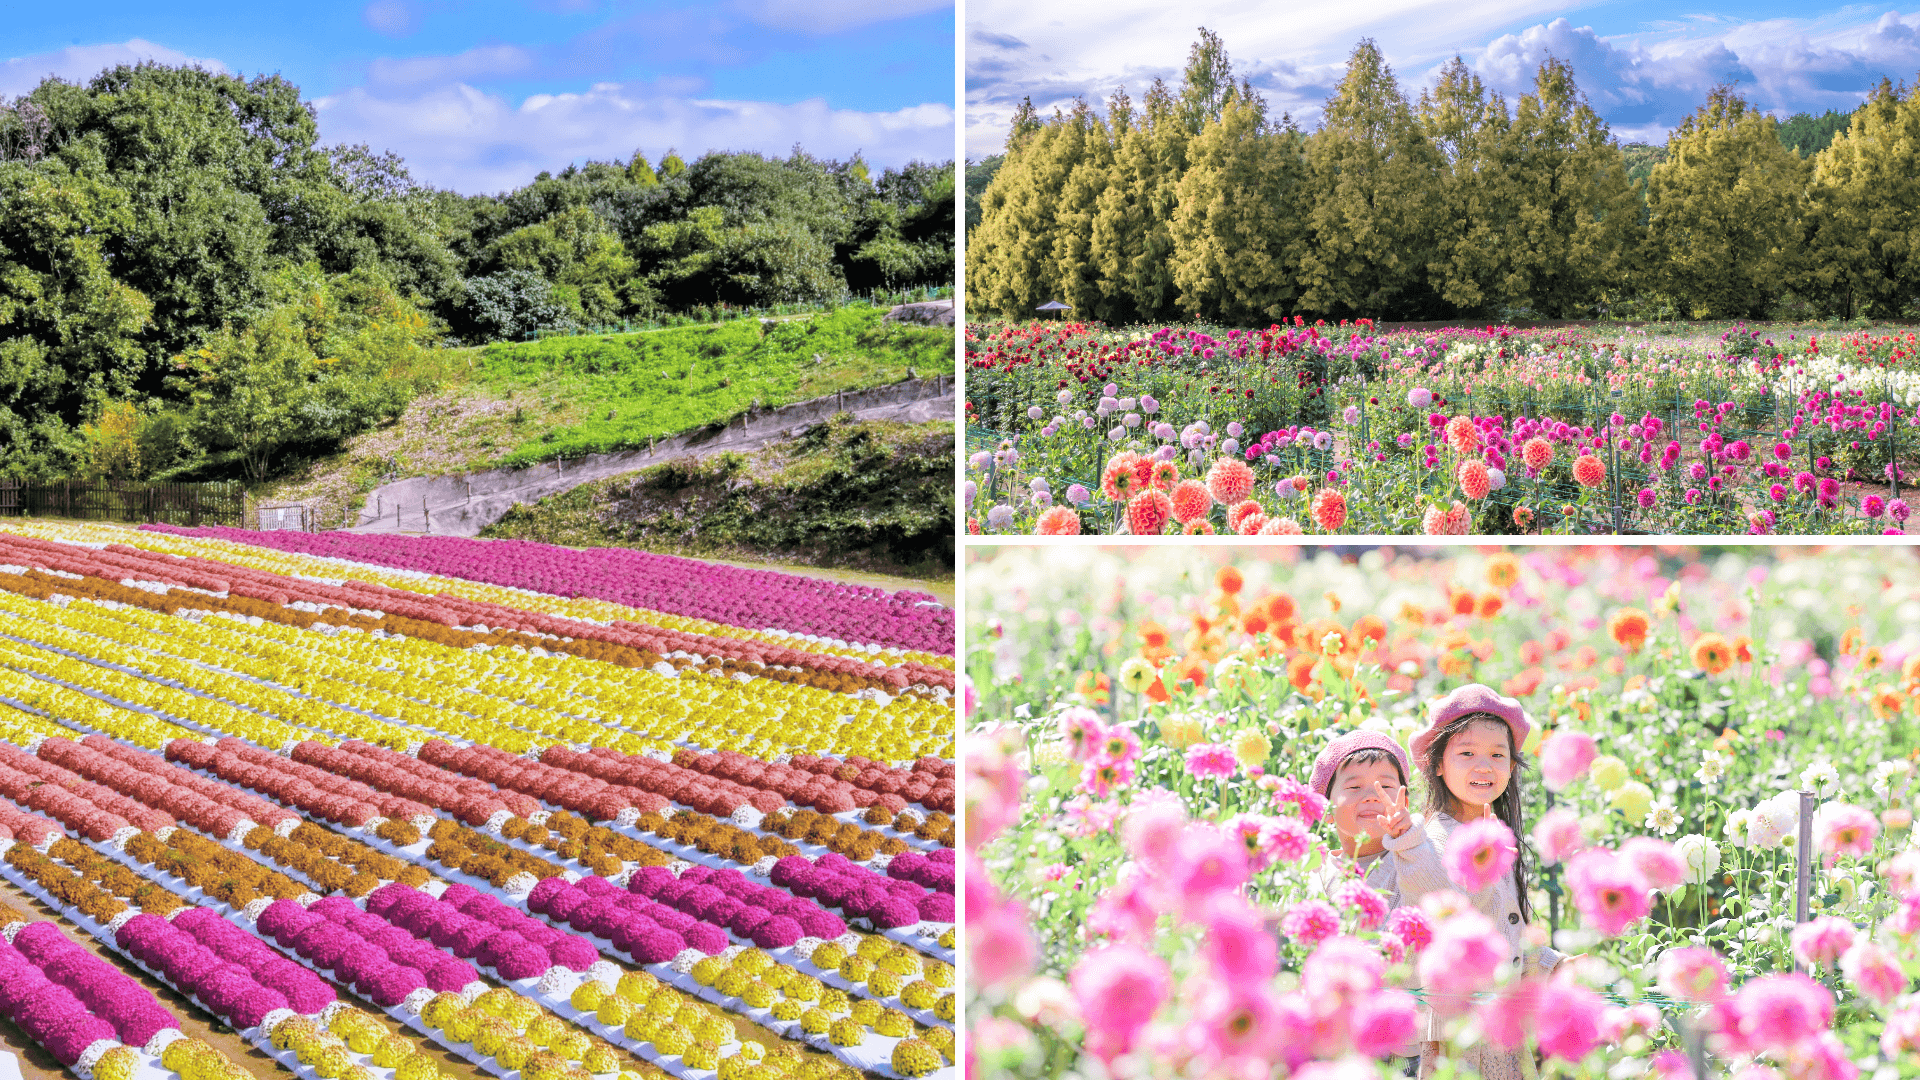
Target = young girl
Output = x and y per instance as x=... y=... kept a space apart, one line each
x=1470 y=756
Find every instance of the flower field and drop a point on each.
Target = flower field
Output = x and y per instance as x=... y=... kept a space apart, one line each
x=371 y=801
x=1339 y=430
x=1157 y=888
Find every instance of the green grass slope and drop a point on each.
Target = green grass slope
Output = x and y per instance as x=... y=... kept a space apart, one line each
x=875 y=497
x=616 y=392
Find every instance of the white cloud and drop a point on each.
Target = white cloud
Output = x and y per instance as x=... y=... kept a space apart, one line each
x=462 y=138
x=474 y=65
x=833 y=16
x=78 y=63
x=394 y=18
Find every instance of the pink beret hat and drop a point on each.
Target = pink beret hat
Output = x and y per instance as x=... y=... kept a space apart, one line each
x=1469 y=699
x=1337 y=751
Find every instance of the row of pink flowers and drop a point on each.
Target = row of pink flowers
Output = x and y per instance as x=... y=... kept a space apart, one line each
x=933 y=870
x=112 y=564
x=85 y=807
x=316 y=791
x=254 y=807
x=647 y=931
x=30 y=829
x=590 y=796
x=67 y=999
x=726 y=898
x=380 y=961
x=473 y=805
x=477 y=926
x=881 y=900
x=721 y=594
x=157 y=787
x=391 y=763
x=234 y=974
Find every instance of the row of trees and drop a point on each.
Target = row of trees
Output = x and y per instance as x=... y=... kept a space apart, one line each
x=169 y=234
x=1457 y=205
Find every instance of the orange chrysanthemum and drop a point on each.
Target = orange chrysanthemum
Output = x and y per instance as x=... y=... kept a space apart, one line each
x=1503 y=571
x=1871 y=658
x=1743 y=649
x=1589 y=471
x=1369 y=627
x=1229 y=480
x=1888 y=702
x=1474 y=479
x=1281 y=608
x=1849 y=641
x=1229 y=580
x=1461 y=603
x=1149 y=512
x=1058 y=521
x=1153 y=635
x=1712 y=654
x=1191 y=501
x=1629 y=627
x=1490 y=605
x=1329 y=509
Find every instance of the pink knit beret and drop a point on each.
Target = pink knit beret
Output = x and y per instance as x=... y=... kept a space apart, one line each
x=1465 y=701
x=1338 y=750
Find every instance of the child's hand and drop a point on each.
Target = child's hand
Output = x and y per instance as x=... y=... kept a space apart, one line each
x=1395 y=821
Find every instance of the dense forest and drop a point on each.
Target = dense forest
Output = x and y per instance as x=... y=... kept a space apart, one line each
x=1197 y=202
x=183 y=264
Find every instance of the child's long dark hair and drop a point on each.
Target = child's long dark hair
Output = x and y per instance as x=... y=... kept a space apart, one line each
x=1506 y=807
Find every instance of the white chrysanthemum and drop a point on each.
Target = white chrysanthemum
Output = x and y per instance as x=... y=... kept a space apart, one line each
x=683 y=963
x=1713 y=765
x=417 y=1000
x=166 y=1037
x=1663 y=818
x=1819 y=777
x=1701 y=855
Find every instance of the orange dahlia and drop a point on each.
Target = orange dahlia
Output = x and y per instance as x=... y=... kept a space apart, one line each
x=1239 y=511
x=1229 y=480
x=1462 y=435
x=1503 y=571
x=1473 y=478
x=1537 y=453
x=1589 y=471
x=1164 y=475
x=1712 y=654
x=1058 y=521
x=1251 y=524
x=1120 y=482
x=1629 y=626
x=1281 y=526
x=1229 y=580
x=1148 y=512
x=1198 y=528
x=1329 y=509
x=1191 y=501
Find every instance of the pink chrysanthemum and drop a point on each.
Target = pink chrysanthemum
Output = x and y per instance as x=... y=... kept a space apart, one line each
x=1479 y=852
x=1607 y=890
x=1844 y=829
x=1310 y=805
x=1372 y=907
x=1285 y=839
x=1411 y=926
x=1822 y=940
x=1695 y=974
x=1211 y=761
x=1310 y=922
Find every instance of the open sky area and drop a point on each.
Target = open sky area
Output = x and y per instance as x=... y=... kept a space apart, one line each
x=1643 y=64
x=481 y=95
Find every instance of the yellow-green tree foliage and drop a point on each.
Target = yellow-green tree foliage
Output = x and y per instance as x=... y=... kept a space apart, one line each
x=1011 y=263
x=1575 y=215
x=1468 y=129
x=1371 y=173
x=113 y=442
x=1863 y=248
x=1236 y=230
x=1132 y=242
x=1725 y=212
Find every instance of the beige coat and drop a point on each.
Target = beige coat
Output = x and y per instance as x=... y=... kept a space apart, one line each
x=1409 y=869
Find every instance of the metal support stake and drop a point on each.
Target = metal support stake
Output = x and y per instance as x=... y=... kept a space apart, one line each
x=1803 y=870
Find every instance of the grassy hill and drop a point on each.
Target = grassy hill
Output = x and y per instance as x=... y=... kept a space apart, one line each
x=615 y=392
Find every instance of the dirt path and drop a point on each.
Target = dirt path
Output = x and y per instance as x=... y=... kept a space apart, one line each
x=462 y=504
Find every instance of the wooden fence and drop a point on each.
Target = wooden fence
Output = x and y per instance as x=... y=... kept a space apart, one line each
x=114 y=500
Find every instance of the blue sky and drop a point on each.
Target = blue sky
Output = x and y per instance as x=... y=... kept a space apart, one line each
x=480 y=95
x=1644 y=65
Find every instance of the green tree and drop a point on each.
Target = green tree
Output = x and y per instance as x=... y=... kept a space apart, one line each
x=1725 y=211
x=640 y=172
x=1372 y=175
x=1574 y=213
x=1468 y=128
x=1863 y=242
x=1132 y=229
x=1010 y=255
x=1808 y=134
x=1236 y=231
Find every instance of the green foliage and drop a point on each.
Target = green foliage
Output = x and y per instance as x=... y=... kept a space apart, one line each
x=322 y=364
x=1863 y=250
x=1725 y=211
x=979 y=175
x=875 y=496
x=1808 y=134
x=632 y=388
x=1236 y=229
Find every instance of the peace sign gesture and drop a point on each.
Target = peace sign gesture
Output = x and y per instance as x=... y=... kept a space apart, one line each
x=1395 y=821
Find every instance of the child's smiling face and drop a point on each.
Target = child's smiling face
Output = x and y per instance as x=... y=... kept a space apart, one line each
x=1477 y=765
